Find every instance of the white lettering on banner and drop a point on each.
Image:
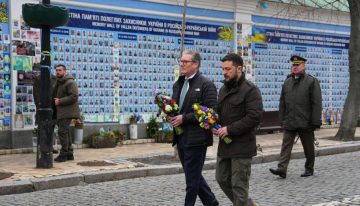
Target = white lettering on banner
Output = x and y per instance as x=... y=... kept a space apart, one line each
x=196 y=28
x=174 y=25
x=107 y=18
x=140 y=28
x=75 y=15
x=158 y=30
x=156 y=23
x=86 y=16
x=89 y=19
x=98 y=24
x=134 y=21
x=212 y=29
x=117 y=20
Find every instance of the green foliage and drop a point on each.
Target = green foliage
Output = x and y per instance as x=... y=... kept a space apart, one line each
x=152 y=127
x=164 y=136
x=109 y=139
x=3 y=12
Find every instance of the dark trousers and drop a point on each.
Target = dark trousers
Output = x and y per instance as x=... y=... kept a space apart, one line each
x=192 y=160
x=307 y=141
x=64 y=136
x=233 y=175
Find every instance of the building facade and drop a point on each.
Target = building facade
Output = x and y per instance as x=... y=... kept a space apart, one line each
x=121 y=53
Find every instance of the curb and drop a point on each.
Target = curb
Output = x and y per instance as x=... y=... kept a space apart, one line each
x=69 y=180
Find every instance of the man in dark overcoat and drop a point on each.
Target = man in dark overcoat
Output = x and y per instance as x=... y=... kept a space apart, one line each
x=300 y=114
x=240 y=109
x=66 y=108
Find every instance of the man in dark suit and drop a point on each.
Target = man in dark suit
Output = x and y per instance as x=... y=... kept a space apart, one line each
x=190 y=88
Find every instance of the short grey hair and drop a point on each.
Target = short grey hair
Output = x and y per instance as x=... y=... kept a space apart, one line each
x=195 y=56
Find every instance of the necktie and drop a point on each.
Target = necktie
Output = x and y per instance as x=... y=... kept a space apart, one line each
x=183 y=92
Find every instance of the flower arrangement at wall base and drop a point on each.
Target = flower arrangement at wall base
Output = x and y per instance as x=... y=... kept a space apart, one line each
x=133 y=127
x=135 y=118
x=104 y=139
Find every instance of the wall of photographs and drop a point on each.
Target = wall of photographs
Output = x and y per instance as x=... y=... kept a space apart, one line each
x=327 y=57
x=118 y=62
x=118 y=73
x=25 y=55
x=5 y=73
x=243 y=47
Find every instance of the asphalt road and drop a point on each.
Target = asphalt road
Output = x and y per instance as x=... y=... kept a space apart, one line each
x=336 y=182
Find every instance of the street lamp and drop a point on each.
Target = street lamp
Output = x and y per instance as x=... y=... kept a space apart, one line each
x=45 y=16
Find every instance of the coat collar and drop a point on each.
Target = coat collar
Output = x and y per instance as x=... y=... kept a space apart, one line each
x=226 y=91
x=182 y=78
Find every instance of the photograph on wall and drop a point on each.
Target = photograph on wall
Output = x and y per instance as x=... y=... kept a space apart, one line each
x=28 y=120
x=19 y=121
x=22 y=63
x=24 y=47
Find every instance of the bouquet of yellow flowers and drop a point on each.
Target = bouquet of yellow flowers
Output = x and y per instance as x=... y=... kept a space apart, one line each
x=168 y=107
x=208 y=119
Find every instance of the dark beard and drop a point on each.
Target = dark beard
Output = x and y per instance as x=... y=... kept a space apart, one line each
x=231 y=83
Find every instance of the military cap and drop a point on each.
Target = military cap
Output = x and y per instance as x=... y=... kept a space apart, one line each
x=297 y=59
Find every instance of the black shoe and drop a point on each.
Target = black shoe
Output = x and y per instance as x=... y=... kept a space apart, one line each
x=70 y=157
x=61 y=158
x=55 y=151
x=215 y=203
x=307 y=173
x=278 y=172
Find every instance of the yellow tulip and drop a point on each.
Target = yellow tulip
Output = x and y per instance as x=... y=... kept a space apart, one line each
x=211 y=121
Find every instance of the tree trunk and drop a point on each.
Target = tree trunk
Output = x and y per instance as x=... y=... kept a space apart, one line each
x=352 y=103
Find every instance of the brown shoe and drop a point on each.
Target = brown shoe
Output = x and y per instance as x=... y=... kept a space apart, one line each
x=281 y=173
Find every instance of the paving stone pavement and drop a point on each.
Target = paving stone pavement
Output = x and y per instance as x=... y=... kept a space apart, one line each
x=336 y=182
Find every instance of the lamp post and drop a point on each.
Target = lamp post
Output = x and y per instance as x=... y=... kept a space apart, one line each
x=44 y=158
x=45 y=16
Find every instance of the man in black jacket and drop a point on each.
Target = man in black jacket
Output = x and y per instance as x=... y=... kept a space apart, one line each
x=190 y=88
x=299 y=113
x=240 y=109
